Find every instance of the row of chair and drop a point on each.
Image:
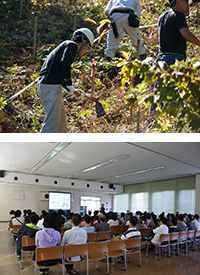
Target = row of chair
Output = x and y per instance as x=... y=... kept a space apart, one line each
x=176 y=239
x=92 y=251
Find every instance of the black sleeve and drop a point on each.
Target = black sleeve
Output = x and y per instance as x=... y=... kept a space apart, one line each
x=181 y=21
x=66 y=61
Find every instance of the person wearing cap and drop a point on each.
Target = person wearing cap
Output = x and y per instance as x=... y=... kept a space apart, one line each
x=121 y=11
x=174 y=32
x=55 y=74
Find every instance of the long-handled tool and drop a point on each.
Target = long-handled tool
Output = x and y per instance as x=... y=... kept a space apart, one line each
x=99 y=108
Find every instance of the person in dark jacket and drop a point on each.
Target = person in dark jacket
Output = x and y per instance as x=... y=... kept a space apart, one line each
x=29 y=230
x=55 y=74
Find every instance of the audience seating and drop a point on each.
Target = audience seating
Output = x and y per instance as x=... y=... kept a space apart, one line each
x=48 y=253
x=190 y=238
x=182 y=239
x=174 y=236
x=98 y=251
x=115 y=230
x=73 y=250
x=123 y=228
x=164 y=242
x=92 y=237
x=136 y=245
x=27 y=242
x=117 y=249
x=104 y=235
x=197 y=238
x=145 y=231
x=14 y=232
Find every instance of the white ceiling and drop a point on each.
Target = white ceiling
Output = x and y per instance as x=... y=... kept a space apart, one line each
x=179 y=159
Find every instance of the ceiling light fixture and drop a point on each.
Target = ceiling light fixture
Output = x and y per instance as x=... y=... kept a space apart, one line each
x=110 y=161
x=50 y=155
x=134 y=173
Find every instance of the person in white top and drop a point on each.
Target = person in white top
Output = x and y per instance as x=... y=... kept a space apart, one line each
x=113 y=220
x=18 y=220
x=162 y=229
x=74 y=236
x=196 y=222
x=122 y=11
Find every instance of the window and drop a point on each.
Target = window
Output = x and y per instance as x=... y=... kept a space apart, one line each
x=89 y=204
x=139 y=202
x=186 y=201
x=163 y=202
x=121 y=203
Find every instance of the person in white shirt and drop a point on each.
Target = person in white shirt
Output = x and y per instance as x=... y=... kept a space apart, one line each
x=74 y=236
x=113 y=220
x=122 y=11
x=162 y=229
x=18 y=219
x=196 y=222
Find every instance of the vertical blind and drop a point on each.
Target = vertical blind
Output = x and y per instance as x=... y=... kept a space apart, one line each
x=187 y=201
x=121 y=203
x=163 y=202
x=140 y=202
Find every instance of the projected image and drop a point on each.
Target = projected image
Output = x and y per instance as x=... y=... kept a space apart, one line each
x=59 y=201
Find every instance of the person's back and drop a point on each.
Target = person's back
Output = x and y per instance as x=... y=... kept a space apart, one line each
x=162 y=229
x=132 y=231
x=76 y=235
x=29 y=230
x=18 y=219
x=102 y=226
x=173 y=226
x=87 y=225
x=170 y=39
x=181 y=224
x=47 y=237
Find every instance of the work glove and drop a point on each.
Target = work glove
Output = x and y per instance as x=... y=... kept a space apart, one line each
x=71 y=89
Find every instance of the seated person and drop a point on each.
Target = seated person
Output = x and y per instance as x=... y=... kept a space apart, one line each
x=88 y=228
x=162 y=229
x=68 y=224
x=189 y=222
x=74 y=236
x=47 y=237
x=18 y=219
x=131 y=233
x=113 y=220
x=143 y=223
x=173 y=226
x=29 y=230
x=130 y=214
x=102 y=226
x=196 y=222
x=181 y=225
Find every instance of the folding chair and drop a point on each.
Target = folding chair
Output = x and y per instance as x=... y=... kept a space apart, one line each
x=117 y=249
x=115 y=230
x=182 y=239
x=190 y=238
x=104 y=236
x=133 y=247
x=164 y=242
x=123 y=228
x=197 y=238
x=62 y=230
x=27 y=242
x=145 y=231
x=14 y=232
x=98 y=251
x=73 y=250
x=173 y=241
x=49 y=253
x=92 y=237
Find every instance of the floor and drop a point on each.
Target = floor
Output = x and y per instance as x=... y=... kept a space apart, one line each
x=184 y=264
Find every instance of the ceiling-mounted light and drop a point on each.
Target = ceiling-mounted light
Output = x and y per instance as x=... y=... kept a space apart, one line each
x=110 y=161
x=50 y=155
x=134 y=173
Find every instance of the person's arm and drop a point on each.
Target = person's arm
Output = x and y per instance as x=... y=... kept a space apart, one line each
x=189 y=36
